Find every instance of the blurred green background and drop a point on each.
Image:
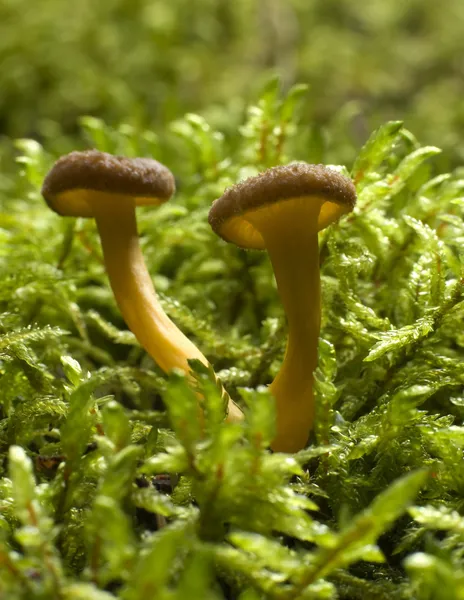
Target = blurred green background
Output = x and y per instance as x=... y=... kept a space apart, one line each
x=146 y=62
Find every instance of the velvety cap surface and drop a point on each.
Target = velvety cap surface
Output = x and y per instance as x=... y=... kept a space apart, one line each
x=68 y=186
x=335 y=193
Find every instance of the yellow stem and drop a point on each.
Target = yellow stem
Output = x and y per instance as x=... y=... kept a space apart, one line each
x=136 y=297
x=290 y=235
x=296 y=270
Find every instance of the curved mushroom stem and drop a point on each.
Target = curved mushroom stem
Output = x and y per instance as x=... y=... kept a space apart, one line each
x=299 y=288
x=136 y=297
x=294 y=253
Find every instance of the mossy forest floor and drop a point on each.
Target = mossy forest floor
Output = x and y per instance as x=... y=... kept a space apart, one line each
x=372 y=509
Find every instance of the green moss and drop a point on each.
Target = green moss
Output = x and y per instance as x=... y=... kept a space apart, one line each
x=87 y=421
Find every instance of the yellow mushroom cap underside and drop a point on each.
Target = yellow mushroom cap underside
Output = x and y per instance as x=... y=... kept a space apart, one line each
x=334 y=192
x=80 y=179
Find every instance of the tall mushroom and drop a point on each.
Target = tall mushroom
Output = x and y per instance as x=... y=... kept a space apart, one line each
x=282 y=210
x=109 y=188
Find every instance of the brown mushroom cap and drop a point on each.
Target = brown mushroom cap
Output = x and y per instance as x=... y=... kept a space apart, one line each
x=312 y=183
x=79 y=179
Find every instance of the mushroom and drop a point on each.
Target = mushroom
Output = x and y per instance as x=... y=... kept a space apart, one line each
x=109 y=188
x=282 y=210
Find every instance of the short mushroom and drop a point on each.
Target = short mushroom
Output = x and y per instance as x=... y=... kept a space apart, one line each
x=282 y=210
x=109 y=188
